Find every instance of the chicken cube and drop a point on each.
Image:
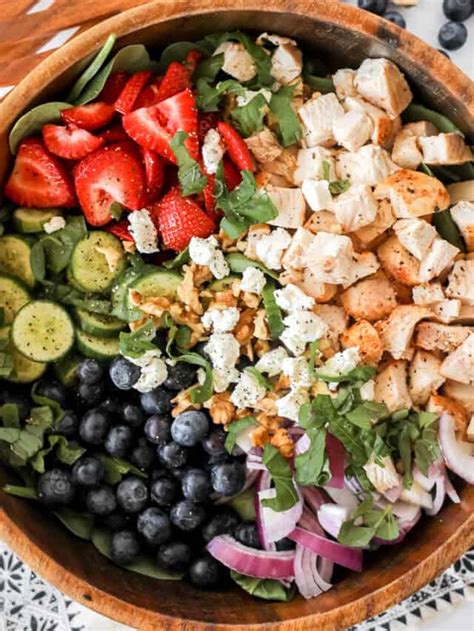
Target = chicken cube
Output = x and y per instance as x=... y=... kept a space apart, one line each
x=368 y=235
x=433 y=336
x=264 y=146
x=416 y=235
x=330 y=257
x=323 y=221
x=398 y=262
x=445 y=149
x=384 y=128
x=290 y=204
x=335 y=317
x=371 y=299
x=344 y=82
x=459 y=365
x=427 y=294
x=413 y=194
x=310 y=165
x=352 y=130
x=461 y=191
x=461 y=281
x=238 y=63
x=294 y=256
x=406 y=150
x=440 y=257
x=381 y=83
x=391 y=386
x=368 y=165
x=365 y=336
x=318 y=116
x=460 y=392
x=381 y=473
x=283 y=166
x=439 y=405
x=287 y=62
x=314 y=287
x=425 y=378
x=355 y=208
x=317 y=195
x=463 y=216
x=447 y=310
x=397 y=331
x=365 y=264
x=254 y=235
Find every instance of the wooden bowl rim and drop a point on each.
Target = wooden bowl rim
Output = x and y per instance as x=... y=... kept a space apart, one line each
x=461 y=89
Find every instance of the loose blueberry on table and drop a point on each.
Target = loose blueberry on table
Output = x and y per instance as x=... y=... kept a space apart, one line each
x=235 y=298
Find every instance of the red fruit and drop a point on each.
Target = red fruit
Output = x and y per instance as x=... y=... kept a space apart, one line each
x=91 y=116
x=113 y=87
x=154 y=174
x=114 y=133
x=206 y=121
x=210 y=199
x=180 y=114
x=180 y=219
x=125 y=102
x=192 y=60
x=238 y=151
x=149 y=95
x=176 y=79
x=111 y=174
x=38 y=179
x=232 y=175
x=120 y=230
x=71 y=143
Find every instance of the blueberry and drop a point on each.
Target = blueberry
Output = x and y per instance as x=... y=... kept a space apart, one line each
x=116 y=521
x=124 y=547
x=101 y=500
x=224 y=523
x=118 y=441
x=228 y=478
x=56 y=488
x=68 y=425
x=94 y=426
x=285 y=544
x=452 y=35
x=188 y=428
x=374 y=6
x=177 y=473
x=112 y=405
x=205 y=572
x=443 y=52
x=395 y=17
x=174 y=555
x=180 y=376
x=247 y=534
x=132 y=495
x=457 y=10
x=196 y=485
x=213 y=444
x=90 y=371
x=173 y=455
x=90 y=394
x=123 y=374
x=154 y=526
x=52 y=389
x=132 y=415
x=142 y=455
x=164 y=491
x=157 y=401
x=187 y=515
x=88 y=471
x=157 y=429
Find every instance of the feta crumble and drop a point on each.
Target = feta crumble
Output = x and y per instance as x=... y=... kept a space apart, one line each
x=223 y=349
x=292 y=298
x=367 y=390
x=271 y=362
x=253 y=280
x=207 y=252
x=297 y=369
x=54 y=224
x=221 y=320
x=270 y=247
x=247 y=392
x=307 y=326
x=153 y=370
x=212 y=151
x=143 y=231
x=221 y=379
x=289 y=405
x=342 y=363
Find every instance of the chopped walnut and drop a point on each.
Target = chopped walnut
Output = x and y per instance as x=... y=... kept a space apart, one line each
x=245 y=327
x=223 y=299
x=236 y=287
x=182 y=402
x=270 y=422
x=248 y=351
x=268 y=404
x=187 y=291
x=291 y=277
x=282 y=441
x=202 y=274
x=227 y=244
x=261 y=331
x=283 y=383
x=261 y=347
x=155 y=306
x=129 y=247
x=190 y=319
x=250 y=300
x=260 y=436
x=220 y=408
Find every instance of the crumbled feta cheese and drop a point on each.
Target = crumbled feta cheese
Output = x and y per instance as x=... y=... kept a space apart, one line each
x=302 y=327
x=247 y=392
x=293 y=343
x=143 y=231
x=289 y=405
x=342 y=363
x=153 y=370
x=212 y=151
x=270 y=248
x=292 y=298
x=248 y=95
x=297 y=369
x=221 y=320
x=238 y=63
x=253 y=280
x=223 y=349
x=54 y=224
x=271 y=362
x=317 y=194
x=207 y=252
x=367 y=390
x=384 y=475
x=222 y=378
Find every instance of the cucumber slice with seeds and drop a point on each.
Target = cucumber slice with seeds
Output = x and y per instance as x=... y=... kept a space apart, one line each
x=15 y=254
x=24 y=370
x=43 y=331
x=96 y=261
x=158 y=282
x=101 y=348
x=65 y=369
x=13 y=296
x=31 y=220
x=96 y=324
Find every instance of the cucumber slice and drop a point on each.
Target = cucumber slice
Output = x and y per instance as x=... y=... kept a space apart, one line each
x=96 y=324
x=222 y=284
x=100 y=348
x=13 y=296
x=120 y=293
x=65 y=369
x=43 y=331
x=29 y=220
x=15 y=254
x=238 y=263
x=96 y=261
x=24 y=370
x=158 y=282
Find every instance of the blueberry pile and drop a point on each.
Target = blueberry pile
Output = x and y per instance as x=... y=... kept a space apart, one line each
x=168 y=511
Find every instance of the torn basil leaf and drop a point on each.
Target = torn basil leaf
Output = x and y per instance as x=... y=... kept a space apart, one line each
x=234 y=430
x=190 y=176
x=289 y=127
x=280 y=471
x=248 y=119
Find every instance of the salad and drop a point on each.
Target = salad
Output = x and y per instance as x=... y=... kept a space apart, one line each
x=236 y=297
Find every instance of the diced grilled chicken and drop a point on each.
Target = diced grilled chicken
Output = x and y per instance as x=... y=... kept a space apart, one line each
x=317 y=194
x=463 y=215
x=381 y=83
x=446 y=311
x=433 y=336
x=365 y=264
x=314 y=287
x=323 y=221
x=238 y=63
x=310 y=164
x=294 y=256
x=416 y=235
x=413 y=194
x=461 y=281
x=344 y=82
x=335 y=317
x=355 y=208
x=445 y=149
x=369 y=165
x=290 y=204
x=384 y=128
x=428 y=294
x=254 y=235
x=397 y=331
x=459 y=365
x=352 y=130
x=398 y=262
x=287 y=60
x=371 y=299
x=439 y=405
x=330 y=257
x=382 y=474
x=406 y=150
x=318 y=116
x=391 y=386
x=461 y=392
x=264 y=145
x=369 y=235
x=461 y=191
x=439 y=258
x=425 y=378
x=284 y=165
x=365 y=336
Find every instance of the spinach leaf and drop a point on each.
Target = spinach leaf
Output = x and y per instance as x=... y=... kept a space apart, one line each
x=209 y=97
x=265 y=588
x=58 y=247
x=279 y=469
x=203 y=392
x=312 y=466
x=135 y=343
x=40 y=400
x=32 y=121
x=361 y=373
x=234 y=430
x=26 y=492
x=179 y=260
x=380 y=523
x=272 y=311
x=116 y=468
x=448 y=229
x=92 y=69
x=415 y=112
x=10 y=415
x=289 y=127
x=209 y=68
x=367 y=414
x=38 y=261
x=190 y=176
x=248 y=119
x=238 y=263
x=177 y=51
x=80 y=524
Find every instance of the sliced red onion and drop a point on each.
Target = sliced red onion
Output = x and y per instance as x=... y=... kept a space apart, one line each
x=314 y=497
x=335 y=552
x=309 y=570
x=302 y=444
x=263 y=483
x=407 y=516
x=353 y=485
x=394 y=493
x=251 y=562
x=309 y=522
x=451 y=491
x=427 y=483
x=439 y=497
x=332 y=516
x=278 y=524
x=336 y=455
x=254 y=465
x=343 y=497
x=458 y=454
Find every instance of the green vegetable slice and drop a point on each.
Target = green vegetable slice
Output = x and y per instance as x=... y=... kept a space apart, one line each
x=265 y=588
x=448 y=229
x=92 y=69
x=415 y=112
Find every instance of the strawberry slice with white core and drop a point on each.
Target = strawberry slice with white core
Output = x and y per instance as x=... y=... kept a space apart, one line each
x=71 y=143
x=91 y=116
x=111 y=174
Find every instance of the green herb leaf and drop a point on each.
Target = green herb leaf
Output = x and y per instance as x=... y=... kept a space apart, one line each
x=312 y=466
x=92 y=69
x=355 y=536
x=178 y=261
x=289 y=127
x=318 y=413
x=201 y=393
x=135 y=343
x=9 y=434
x=415 y=112
x=234 y=430
x=265 y=588
x=248 y=119
x=272 y=311
x=38 y=261
x=26 y=492
x=177 y=51
x=33 y=120
x=359 y=374
x=58 y=246
x=6 y=365
x=367 y=414
x=238 y=263
x=259 y=377
x=209 y=97
x=42 y=401
x=448 y=229
x=317 y=84
x=244 y=504
x=279 y=469
x=191 y=178
x=80 y=524
x=209 y=68
x=338 y=186
x=116 y=468
x=313 y=353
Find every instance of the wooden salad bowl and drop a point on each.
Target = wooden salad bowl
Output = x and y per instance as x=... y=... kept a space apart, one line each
x=341 y=35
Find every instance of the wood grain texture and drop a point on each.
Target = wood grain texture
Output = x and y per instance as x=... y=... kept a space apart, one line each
x=340 y=34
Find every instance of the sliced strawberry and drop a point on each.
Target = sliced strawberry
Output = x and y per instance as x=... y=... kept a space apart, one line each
x=113 y=87
x=111 y=174
x=238 y=151
x=120 y=230
x=91 y=116
x=114 y=133
x=192 y=59
x=210 y=199
x=232 y=175
x=180 y=219
x=206 y=121
x=71 y=143
x=125 y=102
x=176 y=79
x=154 y=174
x=38 y=179
x=149 y=95
x=180 y=114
